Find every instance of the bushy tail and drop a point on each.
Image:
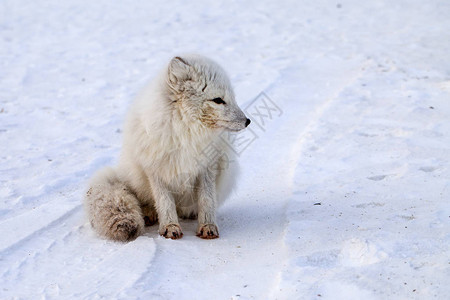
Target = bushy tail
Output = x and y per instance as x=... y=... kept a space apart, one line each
x=112 y=209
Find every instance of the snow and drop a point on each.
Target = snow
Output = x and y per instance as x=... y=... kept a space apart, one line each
x=344 y=191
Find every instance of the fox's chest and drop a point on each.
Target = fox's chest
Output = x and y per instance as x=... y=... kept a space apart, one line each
x=178 y=153
x=181 y=165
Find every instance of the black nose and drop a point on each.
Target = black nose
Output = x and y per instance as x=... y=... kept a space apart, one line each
x=247 y=122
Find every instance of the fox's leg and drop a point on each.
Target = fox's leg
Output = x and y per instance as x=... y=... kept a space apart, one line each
x=166 y=209
x=207 y=228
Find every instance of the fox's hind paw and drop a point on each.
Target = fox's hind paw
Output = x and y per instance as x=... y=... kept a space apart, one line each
x=150 y=215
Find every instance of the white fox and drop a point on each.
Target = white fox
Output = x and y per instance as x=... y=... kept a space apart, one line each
x=162 y=172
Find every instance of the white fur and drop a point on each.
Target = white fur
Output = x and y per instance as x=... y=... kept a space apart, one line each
x=162 y=173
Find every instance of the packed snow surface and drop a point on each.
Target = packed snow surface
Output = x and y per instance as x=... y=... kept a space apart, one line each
x=345 y=184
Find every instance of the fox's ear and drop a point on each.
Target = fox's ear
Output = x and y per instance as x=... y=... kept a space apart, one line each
x=179 y=71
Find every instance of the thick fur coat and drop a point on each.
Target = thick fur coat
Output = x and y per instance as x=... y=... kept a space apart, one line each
x=173 y=162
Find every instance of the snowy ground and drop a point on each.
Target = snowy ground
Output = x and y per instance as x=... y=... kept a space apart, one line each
x=344 y=194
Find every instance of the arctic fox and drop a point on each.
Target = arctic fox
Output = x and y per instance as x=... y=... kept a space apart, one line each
x=163 y=172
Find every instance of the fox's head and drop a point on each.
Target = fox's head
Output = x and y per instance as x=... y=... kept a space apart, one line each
x=201 y=91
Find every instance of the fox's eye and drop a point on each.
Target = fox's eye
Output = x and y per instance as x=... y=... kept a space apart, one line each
x=218 y=100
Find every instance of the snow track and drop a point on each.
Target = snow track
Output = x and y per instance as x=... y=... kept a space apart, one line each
x=65 y=260
x=358 y=201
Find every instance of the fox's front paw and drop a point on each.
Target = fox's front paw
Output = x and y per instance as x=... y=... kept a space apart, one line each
x=207 y=231
x=171 y=231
